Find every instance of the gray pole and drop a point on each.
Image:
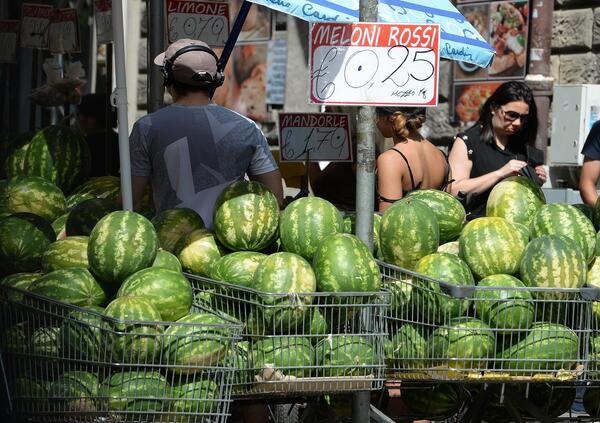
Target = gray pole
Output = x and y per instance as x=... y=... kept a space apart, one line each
x=156 y=45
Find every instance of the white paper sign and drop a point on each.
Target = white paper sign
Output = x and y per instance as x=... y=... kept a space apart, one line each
x=374 y=64
x=64 y=32
x=198 y=20
x=314 y=137
x=35 y=21
x=103 y=17
x=276 y=70
x=9 y=31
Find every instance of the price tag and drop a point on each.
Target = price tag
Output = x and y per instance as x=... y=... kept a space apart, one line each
x=103 y=17
x=198 y=20
x=374 y=64
x=9 y=31
x=314 y=136
x=64 y=32
x=35 y=21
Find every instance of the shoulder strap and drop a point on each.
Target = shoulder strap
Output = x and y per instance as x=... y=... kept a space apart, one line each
x=412 y=178
x=448 y=173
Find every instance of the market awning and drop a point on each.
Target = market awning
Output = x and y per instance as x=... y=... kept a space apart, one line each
x=459 y=39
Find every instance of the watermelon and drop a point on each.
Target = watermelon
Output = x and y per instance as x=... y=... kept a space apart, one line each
x=246 y=216
x=429 y=297
x=597 y=251
x=449 y=212
x=290 y=355
x=98 y=187
x=586 y=209
x=547 y=347
x=14 y=164
x=81 y=334
x=284 y=274
x=172 y=224
x=16 y=338
x=75 y=391
x=31 y=394
x=169 y=291
x=60 y=155
x=166 y=260
x=516 y=199
x=318 y=325
x=45 y=342
x=69 y=252
x=74 y=285
x=39 y=222
x=134 y=342
x=350 y=228
x=465 y=343
x=122 y=243
x=591 y=401
x=85 y=215
x=343 y=263
x=566 y=220
x=196 y=341
x=593 y=274
x=449 y=247
x=409 y=231
x=439 y=402
x=19 y=281
x=491 y=245
x=239 y=360
x=401 y=292
x=21 y=246
x=130 y=391
x=196 y=401
x=407 y=349
x=506 y=310
x=346 y=356
x=198 y=251
x=59 y=226
x=237 y=268
x=306 y=222
x=553 y=261
x=35 y=195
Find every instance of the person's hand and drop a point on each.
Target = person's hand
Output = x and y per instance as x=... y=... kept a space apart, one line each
x=541 y=173
x=511 y=168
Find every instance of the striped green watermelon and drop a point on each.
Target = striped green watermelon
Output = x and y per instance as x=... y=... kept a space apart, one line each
x=290 y=355
x=44 y=342
x=429 y=297
x=246 y=216
x=60 y=155
x=593 y=274
x=19 y=281
x=318 y=325
x=237 y=268
x=346 y=356
x=169 y=291
x=14 y=165
x=491 y=245
x=35 y=195
x=597 y=251
x=131 y=341
x=240 y=361
x=75 y=391
x=98 y=187
x=172 y=224
x=465 y=343
x=31 y=394
x=198 y=251
x=122 y=243
x=553 y=261
x=21 y=246
x=39 y=222
x=196 y=341
x=82 y=335
x=449 y=247
x=506 y=310
x=74 y=285
x=547 y=347
x=343 y=263
x=59 y=225
x=350 y=228
x=69 y=252
x=449 y=211
x=85 y=215
x=306 y=222
x=408 y=349
x=284 y=274
x=408 y=232
x=128 y=391
x=401 y=292
x=566 y=220
x=516 y=199
x=586 y=209
x=196 y=401
x=166 y=260
x=438 y=402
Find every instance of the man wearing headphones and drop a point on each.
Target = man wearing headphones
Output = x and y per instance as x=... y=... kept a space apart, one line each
x=191 y=150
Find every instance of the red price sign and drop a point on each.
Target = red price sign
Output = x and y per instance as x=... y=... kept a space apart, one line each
x=198 y=20
x=35 y=22
x=9 y=32
x=374 y=64
x=103 y=17
x=64 y=32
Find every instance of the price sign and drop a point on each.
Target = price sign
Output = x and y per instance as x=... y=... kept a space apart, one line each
x=64 y=32
x=315 y=137
x=35 y=21
x=103 y=17
x=9 y=31
x=374 y=64
x=198 y=20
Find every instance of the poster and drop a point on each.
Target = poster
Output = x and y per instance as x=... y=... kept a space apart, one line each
x=258 y=26
x=469 y=97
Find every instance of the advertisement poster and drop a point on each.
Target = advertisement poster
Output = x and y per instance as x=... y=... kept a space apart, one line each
x=469 y=97
x=258 y=26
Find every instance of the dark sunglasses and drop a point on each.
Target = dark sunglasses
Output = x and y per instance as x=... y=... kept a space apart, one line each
x=511 y=115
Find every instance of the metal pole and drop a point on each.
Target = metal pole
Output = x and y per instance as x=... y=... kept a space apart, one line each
x=156 y=45
x=361 y=406
x=120 y=100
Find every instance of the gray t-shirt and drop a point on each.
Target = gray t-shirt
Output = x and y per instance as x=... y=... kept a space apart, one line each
x=191 y=153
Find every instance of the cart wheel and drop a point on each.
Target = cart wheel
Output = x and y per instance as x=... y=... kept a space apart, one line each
x=286 y=413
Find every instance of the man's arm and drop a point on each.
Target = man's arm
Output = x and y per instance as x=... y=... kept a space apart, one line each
x=273 y=181
x=138 y=187
x=590 y=173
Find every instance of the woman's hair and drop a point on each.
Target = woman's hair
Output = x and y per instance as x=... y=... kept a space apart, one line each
x=406 y=119
x=506 y=93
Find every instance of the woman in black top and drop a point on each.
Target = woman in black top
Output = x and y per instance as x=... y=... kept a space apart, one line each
x=499 y=145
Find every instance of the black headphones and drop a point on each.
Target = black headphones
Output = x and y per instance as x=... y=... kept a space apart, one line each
x=204 y=77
